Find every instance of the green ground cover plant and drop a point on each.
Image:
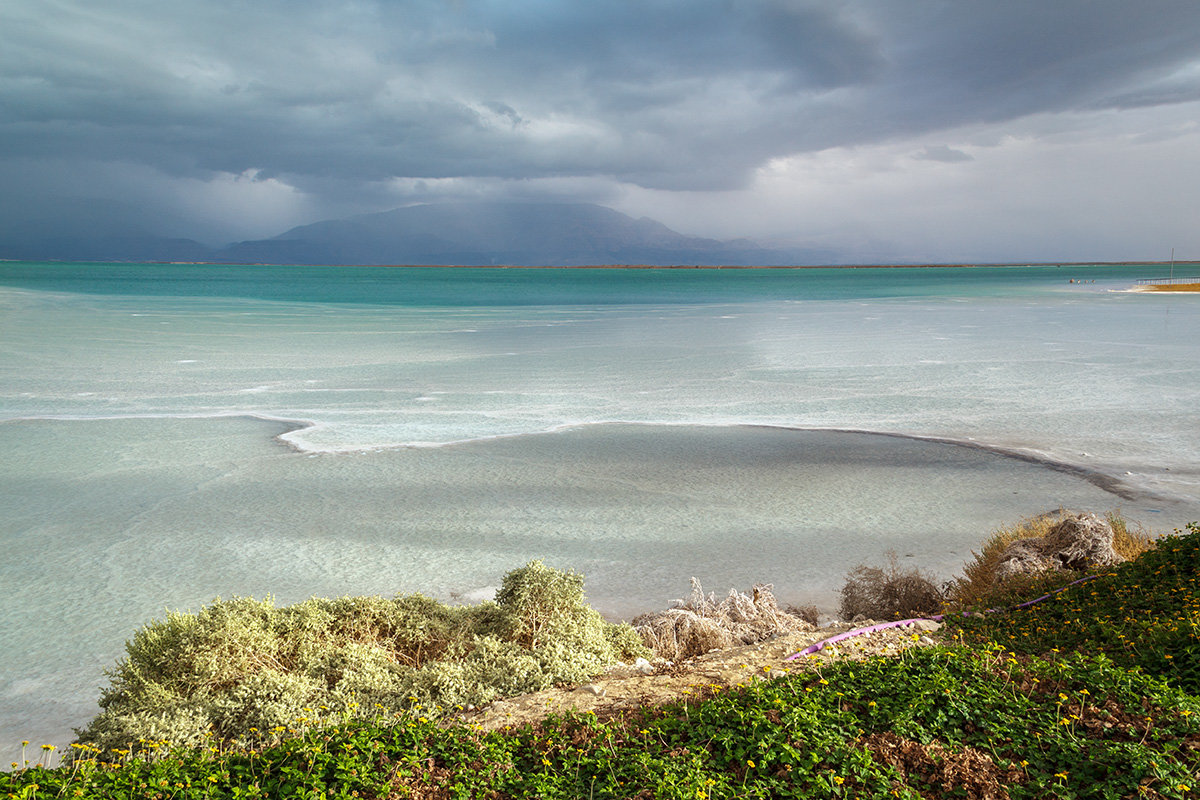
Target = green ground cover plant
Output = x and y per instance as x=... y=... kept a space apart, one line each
x=937 y=722
x=1143 y=614
x=1089 y=694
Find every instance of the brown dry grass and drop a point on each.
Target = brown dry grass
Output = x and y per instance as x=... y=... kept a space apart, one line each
x=979 y=579
x=809 y=613
x=957 y=773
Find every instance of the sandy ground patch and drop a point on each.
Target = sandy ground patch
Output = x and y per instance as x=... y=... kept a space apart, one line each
x=1175 y=288
x=624 y=688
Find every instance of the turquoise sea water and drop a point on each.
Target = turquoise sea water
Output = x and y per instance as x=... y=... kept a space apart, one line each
x=178 y=432
x=417 y=287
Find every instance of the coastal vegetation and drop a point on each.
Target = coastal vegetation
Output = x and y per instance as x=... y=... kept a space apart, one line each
x=893 y=591
x=701 y=623
x=243 y=673
x=1143 y=616
x=979 y=583
x=889 y=592
x=1091 y=693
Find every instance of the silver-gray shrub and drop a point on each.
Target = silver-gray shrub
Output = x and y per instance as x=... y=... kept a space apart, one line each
x=244 y=672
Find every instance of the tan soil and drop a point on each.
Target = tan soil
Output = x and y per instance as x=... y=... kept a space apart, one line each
x=623 y=688
x=1177 y=287
x=1168 y=287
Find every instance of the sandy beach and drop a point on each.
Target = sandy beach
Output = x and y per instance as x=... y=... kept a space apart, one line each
x=1176 y=288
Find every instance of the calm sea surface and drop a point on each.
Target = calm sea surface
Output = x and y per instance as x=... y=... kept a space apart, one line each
x=174 y=433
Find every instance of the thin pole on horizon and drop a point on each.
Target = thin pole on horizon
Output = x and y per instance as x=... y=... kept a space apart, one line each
x=1172 y=280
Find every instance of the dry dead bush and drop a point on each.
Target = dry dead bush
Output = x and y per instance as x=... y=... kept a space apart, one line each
x=889 y=592
x=981 y=576
x=810 y=614
x=702 y=623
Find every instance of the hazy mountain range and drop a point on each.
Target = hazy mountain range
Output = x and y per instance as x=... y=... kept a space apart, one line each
x=470 y=234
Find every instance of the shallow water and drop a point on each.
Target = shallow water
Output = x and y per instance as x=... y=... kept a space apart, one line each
x=174 y=436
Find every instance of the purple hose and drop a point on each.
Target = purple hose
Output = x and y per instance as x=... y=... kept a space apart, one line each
x=821 y=645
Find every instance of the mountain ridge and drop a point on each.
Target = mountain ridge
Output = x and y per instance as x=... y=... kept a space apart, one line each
x=479 y=233
x=495 y=234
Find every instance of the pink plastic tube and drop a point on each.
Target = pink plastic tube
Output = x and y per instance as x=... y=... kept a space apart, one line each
x=903 y=623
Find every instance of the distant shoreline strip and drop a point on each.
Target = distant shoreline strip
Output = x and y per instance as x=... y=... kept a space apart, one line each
x=981 y=265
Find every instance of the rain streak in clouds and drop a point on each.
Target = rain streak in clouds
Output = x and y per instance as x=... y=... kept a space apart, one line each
x=918 y=130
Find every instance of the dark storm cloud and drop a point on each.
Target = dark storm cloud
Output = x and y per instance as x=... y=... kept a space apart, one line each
x=341 y=95
x=988 y=61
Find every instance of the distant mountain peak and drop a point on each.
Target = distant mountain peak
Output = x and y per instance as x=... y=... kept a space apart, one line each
x=495 y=233
x=472 y=233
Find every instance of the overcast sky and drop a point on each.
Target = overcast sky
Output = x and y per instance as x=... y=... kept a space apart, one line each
x=890 y=130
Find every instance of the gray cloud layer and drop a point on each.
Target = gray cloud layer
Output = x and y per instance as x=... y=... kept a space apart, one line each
x=332 y=101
